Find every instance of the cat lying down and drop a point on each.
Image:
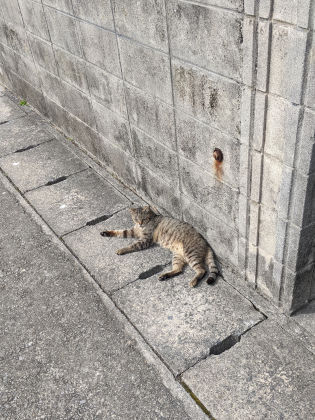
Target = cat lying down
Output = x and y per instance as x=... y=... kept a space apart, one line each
x=187 y=245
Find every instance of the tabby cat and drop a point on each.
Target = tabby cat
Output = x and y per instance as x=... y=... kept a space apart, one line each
x=187 y=245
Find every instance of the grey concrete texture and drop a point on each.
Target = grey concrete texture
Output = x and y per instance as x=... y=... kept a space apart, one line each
x=63 y=354
x=125 y=78
x=306 y=317
x=135 y=18
x=262 y=376
x=146 y=69
x=9 y=110
x=20 y=134
x=46 y=163
x=181 y=323
x=98 y=254
x=208 y=97
x=216 y=44
x=81 y=198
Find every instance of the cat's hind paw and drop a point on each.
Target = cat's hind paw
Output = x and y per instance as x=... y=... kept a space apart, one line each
x=163 y=276
x=121 y=251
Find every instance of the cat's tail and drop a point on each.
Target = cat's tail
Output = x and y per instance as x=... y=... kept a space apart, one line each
x=213 y=269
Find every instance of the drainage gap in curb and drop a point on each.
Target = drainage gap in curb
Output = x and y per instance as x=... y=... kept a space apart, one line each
x=3 y=122
x=98 y=220
x=56 y=181
x=225 y=344
x=26 y=148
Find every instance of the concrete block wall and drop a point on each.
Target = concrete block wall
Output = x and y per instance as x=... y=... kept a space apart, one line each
x=151 y=87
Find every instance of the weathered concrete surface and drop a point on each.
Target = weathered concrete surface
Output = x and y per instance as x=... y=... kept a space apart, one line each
x=181 y=323
x=306 y=317
x=63 y=355
x=98 y=254
x=37 y=166
x=8 y=110
x=268 y=375
x=21 y=133
x=72 y=203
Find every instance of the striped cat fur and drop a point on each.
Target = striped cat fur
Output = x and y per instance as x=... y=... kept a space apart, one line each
x=186 y=244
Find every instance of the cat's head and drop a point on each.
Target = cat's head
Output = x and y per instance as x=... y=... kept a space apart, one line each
x=142 y=215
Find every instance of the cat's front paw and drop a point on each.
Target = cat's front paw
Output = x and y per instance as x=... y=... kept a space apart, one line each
x=163 y=276
x=121 y=251
x=106 y=233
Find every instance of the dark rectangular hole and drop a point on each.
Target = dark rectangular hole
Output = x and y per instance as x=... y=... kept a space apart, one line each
x=55 y=181
x=25 y=148
x=97 y=220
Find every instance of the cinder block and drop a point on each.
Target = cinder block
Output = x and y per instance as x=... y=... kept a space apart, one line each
x=158 y=192
x=134 y=18
x=310 y=89
x=244 y=169
x=100 y=47
x=43 y=53
x=281 y=236
x=306 y=149
x=196 y=141
x=281 y=129
x=71 y=69
x=259 y=120
x=112 y=126
x=209 y=98
x=267 y=229
x=246 y=105
x=253 y=223
x=15 y=37
x=27 y=91
x=222 y=239
x=34 y=18
x=151 y=115
x=265 y=9
x=303 y=201
x=63 y=5
x=248 y=45
x=118 y=161
x=63 y=30
x=265 y=267
x=295 y=12
x=146 y=69
x=98 y=12
x=271 y=181
x=284 y=196
x=73 y=127
x=68 y=97
x=297 y=289
x=22 y=65
x=215 y=197
x=251 y=269
x=228 y=4
x=242 y=215
x=11 y=12
x=160 y=160
x=107 y=89
x=249 y=7
x=256 y=176
x=287 y=62
x=262 y=54
x=216 y=41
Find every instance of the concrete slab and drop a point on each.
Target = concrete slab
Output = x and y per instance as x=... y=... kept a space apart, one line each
x=267 y=375
x=63 y=354
x=8 y=110
x=306 y=317
x=70 y=204
x=45 y=163
x=181 y=323
x=98 y=254
x=21 y=133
